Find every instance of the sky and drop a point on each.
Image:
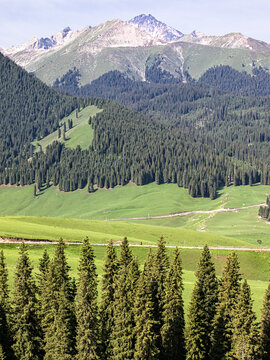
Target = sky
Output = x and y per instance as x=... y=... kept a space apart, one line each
x=21 y=20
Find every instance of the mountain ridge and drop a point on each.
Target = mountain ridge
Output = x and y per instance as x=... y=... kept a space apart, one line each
x=132 y=46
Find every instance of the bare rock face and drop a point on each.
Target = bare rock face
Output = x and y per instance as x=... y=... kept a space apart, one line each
x=230 y=41
x=156 y=28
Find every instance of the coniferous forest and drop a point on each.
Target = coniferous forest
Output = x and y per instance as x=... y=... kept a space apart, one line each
x=191 y=134
x=139 y=313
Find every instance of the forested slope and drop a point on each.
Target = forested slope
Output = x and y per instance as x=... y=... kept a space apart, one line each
x=28 y=109
x=189 y=134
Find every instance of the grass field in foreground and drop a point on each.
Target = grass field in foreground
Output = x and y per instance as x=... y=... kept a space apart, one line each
x=254 y=266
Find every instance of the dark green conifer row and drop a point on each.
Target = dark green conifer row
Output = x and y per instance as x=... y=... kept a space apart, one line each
x=55 y=320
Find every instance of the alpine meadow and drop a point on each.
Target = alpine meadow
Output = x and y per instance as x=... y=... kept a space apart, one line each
x=134 y=192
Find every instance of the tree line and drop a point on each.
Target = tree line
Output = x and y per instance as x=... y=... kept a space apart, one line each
x=140 y=314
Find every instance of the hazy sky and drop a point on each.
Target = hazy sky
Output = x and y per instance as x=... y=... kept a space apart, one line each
x=21 y=20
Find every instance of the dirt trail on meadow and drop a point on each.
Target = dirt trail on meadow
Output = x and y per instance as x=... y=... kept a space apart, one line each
x=7 y=240
x=184 y=213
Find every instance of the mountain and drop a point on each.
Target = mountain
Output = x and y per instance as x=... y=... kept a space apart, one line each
x=36 y=48
x=141 y=47
x=231 y=41
x=156 y=28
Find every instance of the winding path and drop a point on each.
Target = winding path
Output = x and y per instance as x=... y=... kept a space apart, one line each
x=184 y=213
x=6 y=240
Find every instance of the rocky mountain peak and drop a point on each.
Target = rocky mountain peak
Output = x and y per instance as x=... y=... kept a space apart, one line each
x=197 y=34
x=156 y=28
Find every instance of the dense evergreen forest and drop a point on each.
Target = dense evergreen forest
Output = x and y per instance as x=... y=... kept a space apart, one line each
x=28 y=110
x=139 y=314
x=189 y=134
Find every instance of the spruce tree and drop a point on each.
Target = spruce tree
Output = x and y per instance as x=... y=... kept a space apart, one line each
x=44 y=264
x=5 y=309
x=202 y=309
x=172 y=331
x=126 y=282
x=145 y=308
x=265 y=326
x=42 y=276
x=86 y=306
x=110 y=270
x=26 y=330
x=229 y=289
x=245 y=338
x=125 y=254
x=161 y=266
x=57 y=309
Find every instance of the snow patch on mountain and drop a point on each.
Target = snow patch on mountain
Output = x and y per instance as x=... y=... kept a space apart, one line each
x=156 y=28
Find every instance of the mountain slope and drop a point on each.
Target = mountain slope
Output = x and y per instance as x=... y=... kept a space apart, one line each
x=131 y=47
x=29 y=109
x=231 y=41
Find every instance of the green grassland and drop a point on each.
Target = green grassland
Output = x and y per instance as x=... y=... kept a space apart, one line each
x=254 y=266
x=42 y=228
x=80 y=134
x=240 y=228
x=122 y=202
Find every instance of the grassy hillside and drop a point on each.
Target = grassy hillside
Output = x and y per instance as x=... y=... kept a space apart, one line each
x=102 y=231
x=122 y=202
x=136 y=201
x=254 y=266
x=80 y=134
x=194 y=58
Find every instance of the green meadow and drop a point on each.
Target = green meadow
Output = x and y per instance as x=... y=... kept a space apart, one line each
x=23 y=215
x=80 y=134
x=73 y=216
